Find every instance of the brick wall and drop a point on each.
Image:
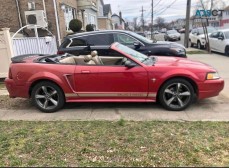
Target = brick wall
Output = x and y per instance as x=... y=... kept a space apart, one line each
x=102 y=23
x=9 y=15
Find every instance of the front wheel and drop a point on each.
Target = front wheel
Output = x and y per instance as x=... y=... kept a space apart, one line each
x=48 y=97
x=227 y=51
x=176 y=94
x=199 y=46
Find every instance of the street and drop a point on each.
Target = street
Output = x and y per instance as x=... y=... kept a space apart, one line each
x=160 y=37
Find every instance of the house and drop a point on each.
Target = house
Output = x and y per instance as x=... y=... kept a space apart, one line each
x=118 y=22
x=213 y=21
x=89 y=11
x=54 y=15
x=104 y=16
x=224 y=22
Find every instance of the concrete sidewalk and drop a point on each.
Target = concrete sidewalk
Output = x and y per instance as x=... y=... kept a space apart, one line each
x=214 y=109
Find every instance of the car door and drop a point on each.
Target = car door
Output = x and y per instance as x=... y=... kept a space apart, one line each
x=77 y=46
x=111 y=82
x=192 y=36
x=129 y=41
x=221 y=44
x=100 y=42
x=213 y=39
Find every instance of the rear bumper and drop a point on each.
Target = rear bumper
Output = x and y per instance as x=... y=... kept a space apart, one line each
x=17 y=90
x=210 y=88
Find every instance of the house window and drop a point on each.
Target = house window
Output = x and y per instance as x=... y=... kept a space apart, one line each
x=69 y=14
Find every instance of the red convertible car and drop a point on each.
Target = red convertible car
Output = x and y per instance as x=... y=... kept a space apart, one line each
x=128 y=76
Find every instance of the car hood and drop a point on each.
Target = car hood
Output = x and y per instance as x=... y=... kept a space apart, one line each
x=203 y=36
x=170 y=43
x=181 y=62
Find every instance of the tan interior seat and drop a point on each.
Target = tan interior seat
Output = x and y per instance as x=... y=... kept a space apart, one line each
x=68 y=60
x=88 y=60
x=96 y=58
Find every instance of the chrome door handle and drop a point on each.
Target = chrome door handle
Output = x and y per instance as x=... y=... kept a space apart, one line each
x=85 y=72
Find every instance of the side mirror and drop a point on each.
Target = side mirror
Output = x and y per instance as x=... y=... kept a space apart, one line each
x=129 y=64
x=137 y=44
x=220 y=38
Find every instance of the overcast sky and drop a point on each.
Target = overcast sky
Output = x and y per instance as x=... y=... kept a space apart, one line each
x=131 y=8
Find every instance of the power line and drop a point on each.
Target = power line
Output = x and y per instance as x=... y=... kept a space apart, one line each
x=166 y=8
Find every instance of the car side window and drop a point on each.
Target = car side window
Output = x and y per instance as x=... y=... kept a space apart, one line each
x=214 y=35
x=78 y=42
x=221 y=35
x=193 y=31
x=124 y=39
x=100 y=39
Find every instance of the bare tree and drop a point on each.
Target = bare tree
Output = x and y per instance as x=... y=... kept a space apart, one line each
x=160 y=22
x=135 y=23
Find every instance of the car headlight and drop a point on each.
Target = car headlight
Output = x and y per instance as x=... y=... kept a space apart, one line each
x=203 y=38
x=177 y=50
x=212 y=76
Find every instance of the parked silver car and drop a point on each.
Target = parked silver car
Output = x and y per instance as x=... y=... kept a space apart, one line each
x=172 y=35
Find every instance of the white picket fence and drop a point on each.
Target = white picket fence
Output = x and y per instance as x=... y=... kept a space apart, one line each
x=33 y=45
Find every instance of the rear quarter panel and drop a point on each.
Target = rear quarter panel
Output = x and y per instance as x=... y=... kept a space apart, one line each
x=31 y=72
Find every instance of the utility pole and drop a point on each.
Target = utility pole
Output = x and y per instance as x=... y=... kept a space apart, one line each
x=188 y=9
x=143 y=22
x=152 y=22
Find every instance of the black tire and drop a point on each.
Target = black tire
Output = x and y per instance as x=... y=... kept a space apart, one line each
x=191 y=44
x=48 y=97
x=227 y=51
x=199 y=46
x=176 y=94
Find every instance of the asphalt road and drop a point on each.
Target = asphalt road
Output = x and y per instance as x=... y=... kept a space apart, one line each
x=160 y=37
x=212 y=109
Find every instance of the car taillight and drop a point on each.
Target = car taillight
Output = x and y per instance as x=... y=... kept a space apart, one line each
x=10 y=74
x=60 y=52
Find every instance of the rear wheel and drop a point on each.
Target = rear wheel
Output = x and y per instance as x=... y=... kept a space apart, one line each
x=227 y=51
x=191 y=44
x=48 y=97
x=176 y=94
x=199 y=46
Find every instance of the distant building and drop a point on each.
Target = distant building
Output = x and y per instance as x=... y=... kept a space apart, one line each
x=104 y=16
x=118 y=21
x=88 y=9
x=224 y=22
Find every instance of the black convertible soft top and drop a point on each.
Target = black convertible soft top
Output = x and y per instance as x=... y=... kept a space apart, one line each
x=21 y=58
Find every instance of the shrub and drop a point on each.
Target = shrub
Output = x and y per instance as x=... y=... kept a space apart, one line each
x=90 y=27
x=75 y=25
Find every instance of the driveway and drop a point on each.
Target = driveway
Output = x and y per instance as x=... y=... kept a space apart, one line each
x=213 y=109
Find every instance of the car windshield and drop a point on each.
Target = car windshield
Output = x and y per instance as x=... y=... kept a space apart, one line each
x=226 y=34
x=171 y=31
x=141 y=37
x=136 y=55
x=210 y=30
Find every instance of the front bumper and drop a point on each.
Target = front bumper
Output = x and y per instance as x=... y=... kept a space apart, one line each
x=210 y=88
x=173 y=37
x=17 y=90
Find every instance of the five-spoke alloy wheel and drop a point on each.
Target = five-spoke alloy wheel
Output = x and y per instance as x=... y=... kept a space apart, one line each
x=176 y=94
x=48 y=97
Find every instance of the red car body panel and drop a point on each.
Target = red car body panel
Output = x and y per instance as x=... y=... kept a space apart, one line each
x=111 y=83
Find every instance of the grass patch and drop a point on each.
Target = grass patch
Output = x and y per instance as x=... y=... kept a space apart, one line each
x=197 y=52
x=102 y=143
